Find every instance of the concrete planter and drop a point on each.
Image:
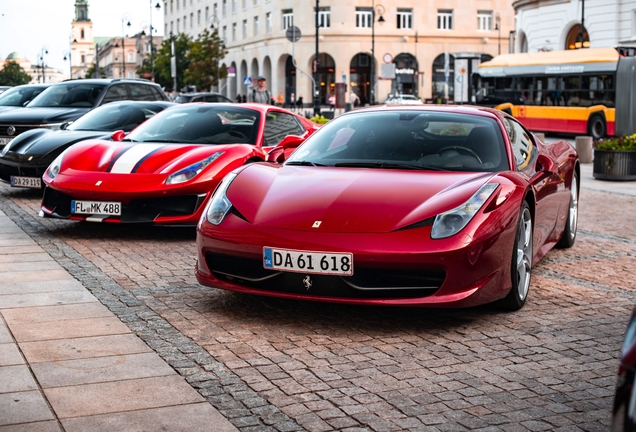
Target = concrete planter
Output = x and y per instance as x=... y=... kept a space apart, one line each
x=614 y=165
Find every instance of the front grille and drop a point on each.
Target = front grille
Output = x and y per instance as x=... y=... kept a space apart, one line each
x=6 y=171
x=18 y=130
x=143 y=210
x=366 y=283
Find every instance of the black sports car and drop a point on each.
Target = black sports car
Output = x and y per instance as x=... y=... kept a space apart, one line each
x=24 y=159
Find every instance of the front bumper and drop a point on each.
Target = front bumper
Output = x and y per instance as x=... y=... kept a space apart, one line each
x=400 y=268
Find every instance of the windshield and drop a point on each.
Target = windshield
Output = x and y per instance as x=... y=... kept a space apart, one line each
x=112 y=117
x=76 y=95
x=17 y=96
x=183 y=99
x=200 y=124
x=407 y=139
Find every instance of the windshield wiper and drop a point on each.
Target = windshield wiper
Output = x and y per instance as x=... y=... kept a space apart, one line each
x=168 y=141
x=387 y=165
x=129 y=140
x=303 y=163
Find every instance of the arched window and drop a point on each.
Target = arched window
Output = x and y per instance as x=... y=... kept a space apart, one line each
x=577 y=38
x=442 y=88
x=82 y=34
x=523 y=42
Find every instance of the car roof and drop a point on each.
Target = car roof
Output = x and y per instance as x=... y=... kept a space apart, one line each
x=456 y=109
x=201 y=94
x=163 y=103
x=107 y=81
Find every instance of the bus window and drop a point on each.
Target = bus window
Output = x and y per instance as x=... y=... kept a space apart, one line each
x=597 y=90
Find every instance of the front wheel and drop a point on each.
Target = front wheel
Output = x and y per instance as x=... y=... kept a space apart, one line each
x=569 y=232
x=521 y=263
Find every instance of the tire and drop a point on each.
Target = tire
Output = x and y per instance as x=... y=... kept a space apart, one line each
x=521 y=262
x=596 y=127
x=569 y=232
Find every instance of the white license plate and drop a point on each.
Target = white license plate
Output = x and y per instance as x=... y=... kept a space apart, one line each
x=96 y=207
x=26 y=182
x=308 y=262
x=4 y=141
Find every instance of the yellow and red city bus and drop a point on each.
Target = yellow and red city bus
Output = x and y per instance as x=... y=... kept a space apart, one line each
x=573 y=91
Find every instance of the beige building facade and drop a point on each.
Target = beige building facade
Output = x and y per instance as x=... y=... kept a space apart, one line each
x=415 y=35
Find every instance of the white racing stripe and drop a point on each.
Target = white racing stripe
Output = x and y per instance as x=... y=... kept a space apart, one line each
x=127 y=161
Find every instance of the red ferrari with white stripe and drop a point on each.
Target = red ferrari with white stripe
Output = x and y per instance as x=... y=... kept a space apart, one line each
x=167 y=168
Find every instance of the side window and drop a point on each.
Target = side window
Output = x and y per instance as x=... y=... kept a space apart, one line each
x=159 y=95
x=211 y=98
x=278 y=125
x=523 y=147
x=141 y=92
x=115 y=93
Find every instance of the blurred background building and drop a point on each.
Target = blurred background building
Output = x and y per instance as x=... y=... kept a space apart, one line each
x=424 y=39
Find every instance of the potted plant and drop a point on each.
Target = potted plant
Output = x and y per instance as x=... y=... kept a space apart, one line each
x=615 y=158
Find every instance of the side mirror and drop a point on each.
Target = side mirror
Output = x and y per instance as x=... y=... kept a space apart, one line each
x=65 y=125
x=276 y=155
x=291 y=142
x=26 y=103
x=118 y=135
x=545 y=164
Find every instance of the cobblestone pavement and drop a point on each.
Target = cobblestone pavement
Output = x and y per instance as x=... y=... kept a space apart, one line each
x=270 y=364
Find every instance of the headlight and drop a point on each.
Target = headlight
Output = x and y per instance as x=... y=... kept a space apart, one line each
x=5 y=150
x=192 y=171
x=52 y=126
x=453 y=221
x=54 y=168
x=219 y=203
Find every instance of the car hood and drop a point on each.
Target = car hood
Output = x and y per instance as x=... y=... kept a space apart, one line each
x=42 y=142
x=36 y=116
x=8 y=108
x=353 y=200
x=142 y=158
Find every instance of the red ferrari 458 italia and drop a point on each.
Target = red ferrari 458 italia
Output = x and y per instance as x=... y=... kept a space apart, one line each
x=411 y=206
x=166 y=169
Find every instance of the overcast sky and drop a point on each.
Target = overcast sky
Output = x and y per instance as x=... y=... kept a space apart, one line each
x=28 y=25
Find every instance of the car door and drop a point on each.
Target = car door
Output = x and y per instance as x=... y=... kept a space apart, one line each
x=141 y=92
x=545 y=182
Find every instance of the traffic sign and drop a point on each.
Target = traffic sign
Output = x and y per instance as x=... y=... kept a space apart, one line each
x=387 y=58
x=247 y=81
x=292 y=34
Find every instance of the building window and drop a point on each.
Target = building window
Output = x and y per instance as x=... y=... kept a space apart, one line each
x=233 y=31
x=244 y=29
x=215 y=11
x=324 y=17
x=224 y=7
x=244 y=4
x=83 y=58
x=177 y=4
x=131 y=74
x=185 y=22
x=199 y=17
x=171 y=8
x=191 y=19
x=445 y=19
x=165 y=28
x=255 y=2
x=405 y=18
x=234 y=5
x=224 y=33
x=288 y=18
x=484 y=20
x=364 y=17
x=82 y=34
x=131 y=57
x=255 y=26
x=268 y=22
x=178 y=25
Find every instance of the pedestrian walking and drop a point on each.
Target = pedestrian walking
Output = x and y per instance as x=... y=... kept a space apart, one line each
x=354 y=100
x=332 y=101
x=260 y=94
x=281 y=100
x=299 y=103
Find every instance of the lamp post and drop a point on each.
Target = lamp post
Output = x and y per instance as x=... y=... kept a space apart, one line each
x=152 y=46
x=220 y=46
x=125 y=22
x=317 y=64
x=96 y=73
x=45 y=50
x=380 y=12
x=498 y=28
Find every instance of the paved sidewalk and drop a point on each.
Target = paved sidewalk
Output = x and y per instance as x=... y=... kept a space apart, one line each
x=68 y=363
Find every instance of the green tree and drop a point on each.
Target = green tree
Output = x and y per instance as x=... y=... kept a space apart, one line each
x=12 y=74
x=90 y=72
x=204 y=57
x=162 y=61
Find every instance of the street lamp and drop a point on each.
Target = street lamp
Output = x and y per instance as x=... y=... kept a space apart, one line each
x=152 y=46
x=220 y=46
x=380 y=12
x=125 y=22
x=45 y=50
x=498 y=28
